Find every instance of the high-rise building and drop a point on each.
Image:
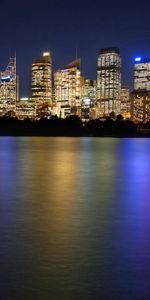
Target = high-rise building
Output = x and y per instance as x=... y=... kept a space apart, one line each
x=142 y=74
x=88 y=91
x=140 y=97
x=140 y=109
x=88 y=88
x=42 y=80
x=9 y=89
x=67 y=84
x=109 y=80
x=125 y=103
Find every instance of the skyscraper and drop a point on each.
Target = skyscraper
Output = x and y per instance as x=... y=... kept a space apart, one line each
x=42 y=79
x=9 y=88
x=67 y=84
x=140 y=109
x=88 y=88
x=125 y=103
x=142 y=74
x=140 y=97
x=109 y=80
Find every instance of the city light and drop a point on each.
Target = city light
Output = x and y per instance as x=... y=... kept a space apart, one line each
x=66 y=91
x=5 y=78
x=46 y=53
x=137 y=59
x=24 y=99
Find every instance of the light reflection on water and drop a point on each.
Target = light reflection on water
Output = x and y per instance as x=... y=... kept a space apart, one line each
x=74 y=218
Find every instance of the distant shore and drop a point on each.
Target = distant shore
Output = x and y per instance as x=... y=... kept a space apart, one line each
x=72 y=126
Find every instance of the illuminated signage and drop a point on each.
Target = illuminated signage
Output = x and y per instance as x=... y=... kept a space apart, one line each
x=138 y=59
x=5 y=78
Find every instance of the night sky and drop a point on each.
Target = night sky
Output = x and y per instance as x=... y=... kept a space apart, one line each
x=31 y=27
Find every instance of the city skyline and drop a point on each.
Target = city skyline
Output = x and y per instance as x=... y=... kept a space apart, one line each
x=74 y=94
x=74 y=150
x=30 y=29
x=27 y=90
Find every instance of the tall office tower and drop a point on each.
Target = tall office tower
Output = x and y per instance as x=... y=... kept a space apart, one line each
x=109 y=80
x=142 y=74
x=125 y=103
x=140 y=97
x=9 y=89
x=67 y=84
x=42 y=80
x=88 y=88
x=140 y=107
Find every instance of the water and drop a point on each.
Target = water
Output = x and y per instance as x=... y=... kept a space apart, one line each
x=74 y=219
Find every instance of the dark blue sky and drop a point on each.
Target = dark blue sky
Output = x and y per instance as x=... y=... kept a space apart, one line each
x=32 y=27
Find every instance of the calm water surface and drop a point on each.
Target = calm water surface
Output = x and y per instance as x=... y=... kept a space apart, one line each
x=74 y=219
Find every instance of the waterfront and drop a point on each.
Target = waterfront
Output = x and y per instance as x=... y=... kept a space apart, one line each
x=74 y=218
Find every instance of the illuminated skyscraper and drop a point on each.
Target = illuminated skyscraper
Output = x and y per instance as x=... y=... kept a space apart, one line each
x=88 y=97
x=125 y=103
x=42 y=79
x=67 y=84
x=140 y=109
x=142 y=74
x=109 y=80
x=9 y=89
x=88 y=88
x=140 y=97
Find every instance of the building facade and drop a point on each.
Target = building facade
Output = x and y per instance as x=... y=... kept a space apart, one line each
x=140 y=109
x=140 y=97
x=125 y=102
x=67 y=85
x=88 y=91
x=142 y=74
x=25 y=108
x=88 y=88
x=42 y=80
x=109 y=80
x=9 y=89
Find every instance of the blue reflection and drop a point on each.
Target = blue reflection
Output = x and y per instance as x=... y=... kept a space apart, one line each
x=132 y=240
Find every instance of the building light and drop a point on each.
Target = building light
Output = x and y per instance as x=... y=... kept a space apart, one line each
x=24 y=99
x=46 y=54
x=3 y=78
x=137 y=59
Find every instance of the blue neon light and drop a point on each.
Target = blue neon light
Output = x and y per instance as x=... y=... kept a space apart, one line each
x=5 y=77
x=138 y=59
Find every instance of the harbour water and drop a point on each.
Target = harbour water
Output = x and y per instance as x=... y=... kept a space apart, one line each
x=74 y=218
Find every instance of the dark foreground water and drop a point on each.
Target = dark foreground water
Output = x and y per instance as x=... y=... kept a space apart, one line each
x=74 y=219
